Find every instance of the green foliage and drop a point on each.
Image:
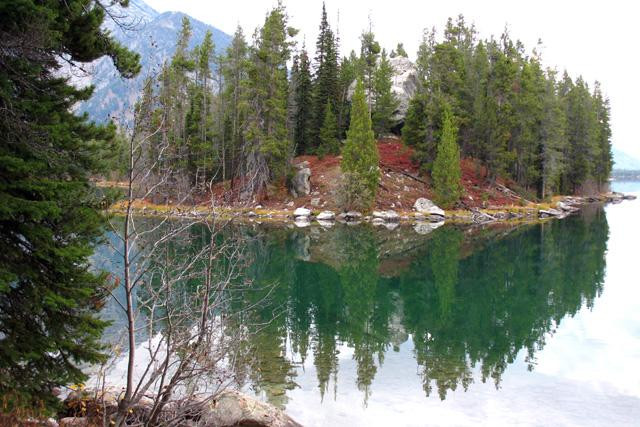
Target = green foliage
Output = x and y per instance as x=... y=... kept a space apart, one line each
x=399 y=51
x=360 y=152
x=329 y=143
x=49 y=212
x=446 y=169
x=325 y=79
x=347 y=75
x=385 y=102
x=303 y=97
x=266 y=90
x=513 y=115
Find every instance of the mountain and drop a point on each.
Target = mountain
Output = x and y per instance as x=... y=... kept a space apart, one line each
x=623 y=161
x=153 y=35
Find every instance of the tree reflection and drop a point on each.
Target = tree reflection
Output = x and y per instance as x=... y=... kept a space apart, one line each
x=470 y=305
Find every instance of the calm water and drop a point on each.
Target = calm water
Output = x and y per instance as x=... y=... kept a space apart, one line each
x=537 y=325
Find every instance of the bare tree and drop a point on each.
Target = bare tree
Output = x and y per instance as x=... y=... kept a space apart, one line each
x=176 y=294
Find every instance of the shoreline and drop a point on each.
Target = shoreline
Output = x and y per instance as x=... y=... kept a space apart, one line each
x=301 y=216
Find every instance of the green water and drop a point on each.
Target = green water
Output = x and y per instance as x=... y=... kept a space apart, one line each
x=536 y=324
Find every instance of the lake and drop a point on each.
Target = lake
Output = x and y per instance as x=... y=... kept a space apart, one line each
x=533 y=325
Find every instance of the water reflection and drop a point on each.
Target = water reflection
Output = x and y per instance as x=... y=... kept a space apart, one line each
x=467 y=298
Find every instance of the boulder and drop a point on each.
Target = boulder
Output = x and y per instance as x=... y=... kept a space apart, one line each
x=326 y=216
x=404 y=85
x=301 y=182
x=387 y=216
x=427 y=207
x=545 y=213
x=232 y=408
x=565 y=207
x=301 y=212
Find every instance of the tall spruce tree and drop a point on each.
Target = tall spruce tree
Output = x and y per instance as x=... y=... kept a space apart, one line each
x=446 y=168
x=369 y=54
x=360 y=153
x=385 y=101
x=268 y=147
x=49 y=218
x=303 y=116
x=329 y=143
x=325 y=80
x=234 y=71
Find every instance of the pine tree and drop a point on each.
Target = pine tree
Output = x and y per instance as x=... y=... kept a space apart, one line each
x=198 y=126
x=329 y=143
x=414 y=132
x=399 y=51
x=385 y=101
x=325 y=81
x=347 y=75
x=446 y=169
x=268 y=147
x=369 y=54
x=49 y=217
x=234 y=72
x=303 y=103
x=360 y=152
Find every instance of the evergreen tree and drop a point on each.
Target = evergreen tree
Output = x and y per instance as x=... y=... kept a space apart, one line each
x=49 y=218
x=198 y=123
x=325 y=82
x=399 y=51
x=347 y=75
x=360 y=152
x=267 y=144
x=553 y=138
x=385 y=101
x=604 y=162
x=446 y=169
x=303 y=103
x=414 y=132
x=329 y=143
x=234 y=71
x=369 y=54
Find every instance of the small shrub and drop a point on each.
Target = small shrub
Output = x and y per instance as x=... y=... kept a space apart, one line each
x=354 y=193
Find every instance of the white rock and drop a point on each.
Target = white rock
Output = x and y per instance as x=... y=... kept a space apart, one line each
x=326 y=224
x=427 y=207
x=304 y=212
x=326 y=216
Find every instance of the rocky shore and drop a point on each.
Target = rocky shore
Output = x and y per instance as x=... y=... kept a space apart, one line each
x=425 y=213
x=88 y=408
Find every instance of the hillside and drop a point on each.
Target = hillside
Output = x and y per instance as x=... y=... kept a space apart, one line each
x=153 y=36
x=624 y=161
x=400 y=185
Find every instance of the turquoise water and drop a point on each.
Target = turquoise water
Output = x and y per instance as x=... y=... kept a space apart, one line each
x=533 y=325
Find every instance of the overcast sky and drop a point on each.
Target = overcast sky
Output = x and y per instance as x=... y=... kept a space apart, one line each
x=596 y=39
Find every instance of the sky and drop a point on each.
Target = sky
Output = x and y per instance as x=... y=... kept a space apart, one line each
x=595 y=39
